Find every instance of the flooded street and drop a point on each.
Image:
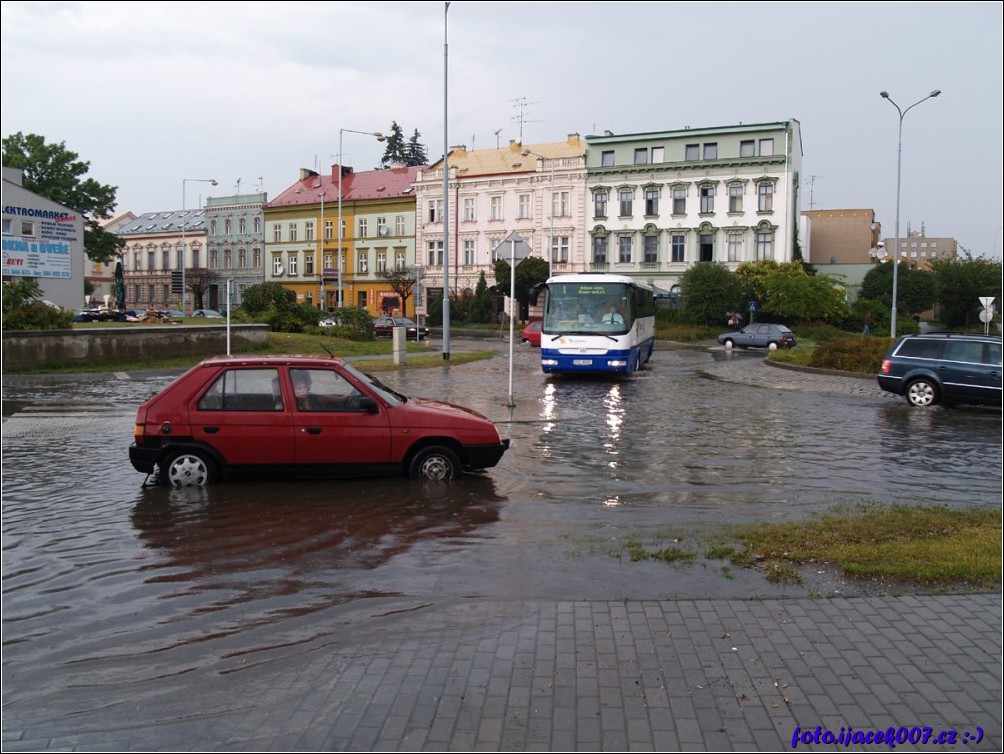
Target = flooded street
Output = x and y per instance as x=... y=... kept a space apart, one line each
x=109 y=584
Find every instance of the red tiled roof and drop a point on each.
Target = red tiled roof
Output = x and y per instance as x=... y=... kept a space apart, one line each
x=370 y=184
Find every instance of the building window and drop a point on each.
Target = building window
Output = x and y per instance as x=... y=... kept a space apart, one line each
x=242 y=258
x=641 y=156
x=165 y=260
x=212 y=227
x=693 y=152
x=707 y=243
x=651 y=201
x=711 y=151
x=227 y=227
x=277 y=265
x=151 y=261
x=747 y=148
x=151 y=291
x=308 y=264
x=651 y=249
x=214 y=259
x=292 y=231
x=658 y=155
x=523 y=212
x=228 y=259
x=679 y=200
x=765 y=197
x=468 y=251
x=294 y=265
x=399 y=225
x=559 y=204
x=277 y=233
x=363 y=263
x=363 y=227
x=435 y=253
x=256 y=255
x=735 y=246
x=559 y=249
x=607 y=158
x=308 y=230
x=626 y=196
x=600 y=204
x=469 y=209
x=624 y=249
x=678 y=246
x=381 y=261
x=435 y=210
x=257 y=225
x=399 y=258
x=328 y=228
x=180 y=260
x=195 y=258
x=495 y=208
x=600 y=250
x=165 y=293
x=764 y=245
x=766 y=147
x=736 y=197
x=242 y=226
x=382 y=226
x=707 y=199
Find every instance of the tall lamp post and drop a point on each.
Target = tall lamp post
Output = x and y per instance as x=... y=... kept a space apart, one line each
x=899 y=172
x=320 y=254
x=184 y=248
x=341 y=170
x=550 y=241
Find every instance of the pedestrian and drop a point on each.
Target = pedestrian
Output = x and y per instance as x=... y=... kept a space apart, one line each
x=866 y=326
x=733 y=321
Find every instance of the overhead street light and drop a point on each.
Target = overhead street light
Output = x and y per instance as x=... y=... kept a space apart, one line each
x=899 y=173
x=550 y=240
x=341 y=170
x=184 y=248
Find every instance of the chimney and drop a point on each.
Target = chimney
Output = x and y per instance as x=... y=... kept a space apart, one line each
x=306 y=173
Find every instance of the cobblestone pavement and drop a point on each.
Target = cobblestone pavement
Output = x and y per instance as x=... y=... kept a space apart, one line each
x=907 y=672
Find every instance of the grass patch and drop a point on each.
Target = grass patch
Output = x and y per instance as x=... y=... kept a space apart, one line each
x=933 y=545
x=418 y=355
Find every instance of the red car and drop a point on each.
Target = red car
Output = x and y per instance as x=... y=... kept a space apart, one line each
x=304 y=416
x=531 y=333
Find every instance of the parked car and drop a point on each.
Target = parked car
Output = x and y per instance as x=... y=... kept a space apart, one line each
x=944 y=368
x=304 y=416
x=384 y=326
x=531 y=333
x=760 y=335
x=171 y=313
x=208 y=314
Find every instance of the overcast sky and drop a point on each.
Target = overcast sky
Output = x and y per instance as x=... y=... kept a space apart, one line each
x=152 y=93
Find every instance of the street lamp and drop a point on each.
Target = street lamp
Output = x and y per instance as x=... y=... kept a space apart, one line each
x=320 y=253
x=899 y=171
x=550 y=241
x=184 y=249
x=341 y=170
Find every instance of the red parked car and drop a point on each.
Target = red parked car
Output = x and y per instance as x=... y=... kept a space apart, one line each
x=531 y=333
x=304 y=416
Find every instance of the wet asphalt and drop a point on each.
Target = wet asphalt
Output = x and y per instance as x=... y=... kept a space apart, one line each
x=910 y=672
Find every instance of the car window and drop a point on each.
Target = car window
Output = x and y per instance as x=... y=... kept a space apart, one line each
x=243 y=390
x=964 y=350
x=919 y=348
x=991 y=354
x=323 y=390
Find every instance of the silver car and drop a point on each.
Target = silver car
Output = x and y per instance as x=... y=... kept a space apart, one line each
x=760 y=335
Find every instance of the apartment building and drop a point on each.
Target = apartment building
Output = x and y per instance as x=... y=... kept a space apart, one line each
x=161 y=249
x=376 y=211
x=662 y=201
x=235 y=245
x=538 y=191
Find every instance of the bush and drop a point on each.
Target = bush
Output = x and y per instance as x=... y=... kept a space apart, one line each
x=851 y=353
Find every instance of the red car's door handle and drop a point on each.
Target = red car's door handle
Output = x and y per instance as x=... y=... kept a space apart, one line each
x=312 y=430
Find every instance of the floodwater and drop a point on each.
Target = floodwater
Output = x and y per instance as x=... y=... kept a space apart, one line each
x=106 y=579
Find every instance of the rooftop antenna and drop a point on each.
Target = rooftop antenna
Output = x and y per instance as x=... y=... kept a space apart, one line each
x=520 y=117
x=261 y=184
x=812 y=186
x=497 y=138
x=238 y=186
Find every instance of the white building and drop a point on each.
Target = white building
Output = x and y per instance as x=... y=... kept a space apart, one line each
x=662 y=201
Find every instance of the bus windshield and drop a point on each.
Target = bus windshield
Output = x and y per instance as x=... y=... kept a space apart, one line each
x=586 y=307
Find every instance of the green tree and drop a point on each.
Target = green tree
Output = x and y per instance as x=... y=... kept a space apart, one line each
x=483 y=307
x=415 y=154
x=257 y=298
x=394 y=152
x=787 y=291
x=961 y=283
x=23 y=308
x=916 y=289
x=529 y=272
x=707 y=291
x=53 y=171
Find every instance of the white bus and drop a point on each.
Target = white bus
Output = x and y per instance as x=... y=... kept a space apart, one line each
x=595 y=322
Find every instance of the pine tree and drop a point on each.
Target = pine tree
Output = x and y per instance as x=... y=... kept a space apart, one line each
x=395 y=152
